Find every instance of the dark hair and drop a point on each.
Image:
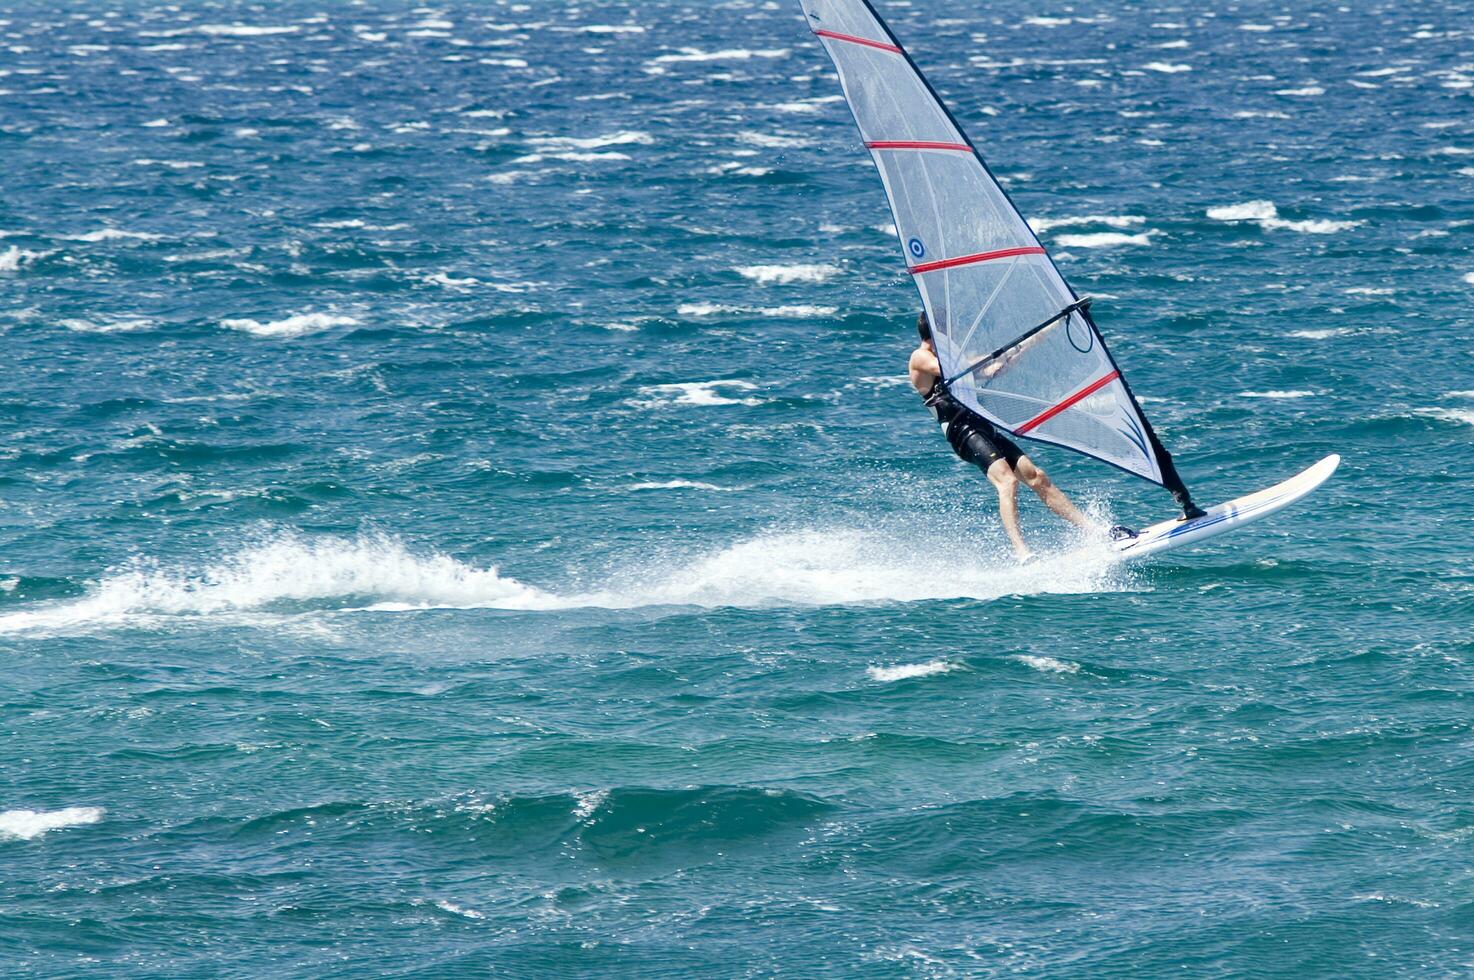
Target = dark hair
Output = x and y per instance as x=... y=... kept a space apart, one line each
x=923 y=326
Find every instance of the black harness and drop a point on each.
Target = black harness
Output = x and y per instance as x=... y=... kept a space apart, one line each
x=946 y=409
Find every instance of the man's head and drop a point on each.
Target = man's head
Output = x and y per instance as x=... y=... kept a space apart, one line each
x=923 y=327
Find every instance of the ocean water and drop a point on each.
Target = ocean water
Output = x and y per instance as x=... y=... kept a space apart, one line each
x=461 y=512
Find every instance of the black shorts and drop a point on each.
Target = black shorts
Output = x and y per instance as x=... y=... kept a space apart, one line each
x=977 y=442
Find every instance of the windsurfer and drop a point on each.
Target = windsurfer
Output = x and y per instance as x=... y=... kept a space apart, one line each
x=977 y=441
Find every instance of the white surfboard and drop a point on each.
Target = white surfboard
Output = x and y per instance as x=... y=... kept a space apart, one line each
x=1223 y=518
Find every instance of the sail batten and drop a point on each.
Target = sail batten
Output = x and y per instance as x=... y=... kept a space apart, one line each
x=917 y=145
x=1002 y=253
x=851 y=39
x=983 y=275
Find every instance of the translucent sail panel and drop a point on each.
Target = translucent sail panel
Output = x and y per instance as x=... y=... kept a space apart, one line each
x=888 y=98
x=1033 y=388
x=983 y=276
x=949 y=213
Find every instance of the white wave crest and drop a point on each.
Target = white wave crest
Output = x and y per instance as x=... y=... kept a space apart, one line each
x=292 y=326
x=1462 y=415
x=1266 y=216
x=677 y=485
x=1048 y=665
x=1102 y=239
x=903 y=672
x=728 y=54
x=1277 y=394
x=114 y=234
x=122 y=325
x=1042 y=225
x=454 y=909
x=243 y=30
x=626 y=137
x=572 y=156
x=797 y=311
x=785 y=274
x=772 y=140
x=14 y=257
x=1323 y=334
x=695 y=393
x=589 y=802
x=805 y=106
x=29 y=824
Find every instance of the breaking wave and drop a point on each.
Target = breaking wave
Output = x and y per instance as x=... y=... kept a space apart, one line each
x=1267 y=217
x=785 y=274
x=30 y=824
x=293 y=326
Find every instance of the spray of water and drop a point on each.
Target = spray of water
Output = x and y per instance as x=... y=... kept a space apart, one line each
x=289 y=572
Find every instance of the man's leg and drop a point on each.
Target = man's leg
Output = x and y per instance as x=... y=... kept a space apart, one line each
x=1000 y=474
x=1054 y=498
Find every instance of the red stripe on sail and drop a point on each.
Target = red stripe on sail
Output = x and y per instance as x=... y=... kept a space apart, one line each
x=917 y=145
x=860 y=40
x=1080 y=395
x=1002 y=253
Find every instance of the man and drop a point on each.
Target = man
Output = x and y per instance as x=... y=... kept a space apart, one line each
x=976 y=441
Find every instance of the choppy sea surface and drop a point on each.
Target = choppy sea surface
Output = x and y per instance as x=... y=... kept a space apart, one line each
x=461 y=512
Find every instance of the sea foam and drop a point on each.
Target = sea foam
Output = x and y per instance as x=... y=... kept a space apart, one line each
x=903 y=672
x=14 y=257
x=727 y=54
x=695 y=393
x=293 y=326
x=29 y=824
x=1048 y=665
x=1102 y=239
x=1266 y=216
x=1042 y=225
x=1277 y=395
x=243 y=30
x=784 y=274
x=115 y=234
x=677 y=485
x=716 y=309
x=626 y=137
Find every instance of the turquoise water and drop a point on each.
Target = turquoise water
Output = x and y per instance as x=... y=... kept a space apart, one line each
x=463 y=513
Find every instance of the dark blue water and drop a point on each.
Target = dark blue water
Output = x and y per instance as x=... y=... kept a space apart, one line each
x=462 y=512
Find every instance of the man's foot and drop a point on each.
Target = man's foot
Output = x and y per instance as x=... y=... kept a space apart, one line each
x=1120 y=532
x=1026 y=557
x=1192 y=512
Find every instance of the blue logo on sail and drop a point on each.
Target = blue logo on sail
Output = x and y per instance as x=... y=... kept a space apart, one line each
x=915 y=247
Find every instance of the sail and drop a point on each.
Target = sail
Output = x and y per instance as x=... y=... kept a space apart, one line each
x=1014 y=343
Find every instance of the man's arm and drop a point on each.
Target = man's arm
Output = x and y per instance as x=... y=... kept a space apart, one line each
x=924 y=369
x=995 y=368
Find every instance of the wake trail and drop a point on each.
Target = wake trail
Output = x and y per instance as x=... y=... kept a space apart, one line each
x=294 y=574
